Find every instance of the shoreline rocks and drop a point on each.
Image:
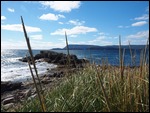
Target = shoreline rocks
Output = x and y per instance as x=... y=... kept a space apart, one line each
x=57 y=58
x=16 y=92
x=13 y=93
x=9 y=86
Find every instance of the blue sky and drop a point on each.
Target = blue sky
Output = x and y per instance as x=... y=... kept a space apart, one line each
x=86 y=22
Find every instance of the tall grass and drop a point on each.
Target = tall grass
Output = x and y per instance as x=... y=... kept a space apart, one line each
x=100 y=89
x=82 y=92
x=68 y=56
x=87 y=91
x=40 y=95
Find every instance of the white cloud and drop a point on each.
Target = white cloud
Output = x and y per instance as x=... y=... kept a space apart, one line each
x=135 y=42
x=61 y=16
x=115 y=37
x=103 y=39
x=62 y=6
x=73 y=36
x=100 y=41
x=3 y=18
x=101 y=33
x=143 y=17
x=10 y=10
x=37 y=37
x=141 y=34
x=10 y=44
x=120 y=26
x=141 y=23
x=74 y=31
x=35 y=44
x=51 y=16
x=60 y=22
x=18 y=27
x=76 y=22
x=62 y=39
x=31 y=2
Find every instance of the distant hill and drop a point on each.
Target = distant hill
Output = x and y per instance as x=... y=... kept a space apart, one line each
x=56 y=49
x=82 y=47
x=96 y=47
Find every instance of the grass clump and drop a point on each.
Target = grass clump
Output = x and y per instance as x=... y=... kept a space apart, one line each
x=82 y=92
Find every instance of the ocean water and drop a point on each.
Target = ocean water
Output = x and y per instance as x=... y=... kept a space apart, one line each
x=14 y=70
x=110 y=56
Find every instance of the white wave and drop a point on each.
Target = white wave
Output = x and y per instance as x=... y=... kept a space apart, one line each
x=22 y=73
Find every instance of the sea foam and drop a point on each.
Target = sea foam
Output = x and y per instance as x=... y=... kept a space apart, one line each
x=22 y=72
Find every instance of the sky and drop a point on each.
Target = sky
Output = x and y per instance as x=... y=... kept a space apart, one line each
x=85 y=22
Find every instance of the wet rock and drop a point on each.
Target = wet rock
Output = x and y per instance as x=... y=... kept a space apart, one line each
x=57 y=58
x=9 y=86
x=25 y=59
x=8 y=96
x=59 y=74
x=46 y=80
x=50 y=74
x=24 y=94
x=27 y=93
x=8 y=100
x=38 y=56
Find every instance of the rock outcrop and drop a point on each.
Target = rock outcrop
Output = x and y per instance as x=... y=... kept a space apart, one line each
x=58 y=58
x=9 y=86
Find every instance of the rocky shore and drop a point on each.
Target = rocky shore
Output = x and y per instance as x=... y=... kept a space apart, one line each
x=57 y=58
x=13 y=93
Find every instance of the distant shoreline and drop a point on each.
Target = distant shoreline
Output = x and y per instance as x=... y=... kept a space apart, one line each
x=83 y=47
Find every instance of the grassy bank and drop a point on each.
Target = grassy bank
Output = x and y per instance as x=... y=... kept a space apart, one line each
x=98 y=89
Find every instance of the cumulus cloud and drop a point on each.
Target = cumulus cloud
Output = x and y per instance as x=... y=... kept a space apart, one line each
x=77 y=22
x=141 y=23
x=141 y=34
x=51 y=16
x=62 y=6
x=10 y=9
x=143 y=17
x=74 y=31
x=60 y=22
x=61 y=16
x=3 y=18
x=18 y=27
x=37 y=37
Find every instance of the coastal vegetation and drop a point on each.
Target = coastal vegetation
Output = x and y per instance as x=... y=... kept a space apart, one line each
x=97 y=88
x=101 y=88
x=82 y=91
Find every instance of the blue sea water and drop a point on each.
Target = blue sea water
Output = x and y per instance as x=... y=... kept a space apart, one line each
x=111 y=56
x=14 y=70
